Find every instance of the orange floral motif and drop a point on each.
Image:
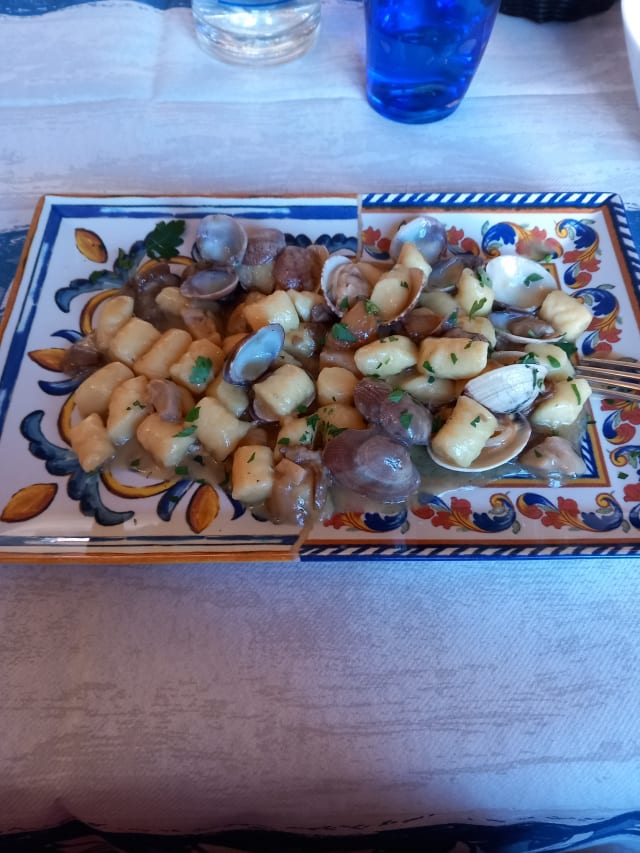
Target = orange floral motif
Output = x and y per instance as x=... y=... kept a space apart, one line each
x=632 y=492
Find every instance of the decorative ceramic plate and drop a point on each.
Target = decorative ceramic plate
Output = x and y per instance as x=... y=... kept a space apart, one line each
x=81 y=248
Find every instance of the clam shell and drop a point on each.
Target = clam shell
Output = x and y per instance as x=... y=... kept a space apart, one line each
x=254 y=355
x=342 y=282
x=221 y=239
x=519 y=282
x=503 y=319
x=214 y=283
x=516 y=432
x=508 y=389
x=428 y=235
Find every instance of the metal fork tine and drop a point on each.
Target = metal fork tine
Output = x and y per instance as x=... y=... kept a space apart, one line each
x=615 y=378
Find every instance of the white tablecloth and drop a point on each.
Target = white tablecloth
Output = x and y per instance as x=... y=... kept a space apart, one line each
x=323 y=695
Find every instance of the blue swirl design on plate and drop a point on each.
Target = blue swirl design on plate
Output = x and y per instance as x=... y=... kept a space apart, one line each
x=61 y=461
x=104 y=279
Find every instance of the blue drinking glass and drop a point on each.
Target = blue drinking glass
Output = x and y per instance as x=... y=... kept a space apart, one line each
x=423 y=54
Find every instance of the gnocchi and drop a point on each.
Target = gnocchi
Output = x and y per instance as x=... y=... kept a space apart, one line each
x=349 y=363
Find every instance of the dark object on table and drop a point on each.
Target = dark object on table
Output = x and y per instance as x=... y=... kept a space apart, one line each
x=555 y=10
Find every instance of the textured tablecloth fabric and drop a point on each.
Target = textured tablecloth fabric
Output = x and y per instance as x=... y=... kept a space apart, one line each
x=324 y=697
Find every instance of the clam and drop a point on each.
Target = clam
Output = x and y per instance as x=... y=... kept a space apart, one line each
x=523 y=327
x=393 y=410
x=519 y=282
x=446 y=273
x=342 y=283
x=372 y=464
x=505 y=444
x=220 y=239
x=212 y=283
x=507 y=389
x=253 y=355
x=428 y=235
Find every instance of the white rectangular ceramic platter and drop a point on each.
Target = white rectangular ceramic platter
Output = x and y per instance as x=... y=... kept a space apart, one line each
x=50 y=509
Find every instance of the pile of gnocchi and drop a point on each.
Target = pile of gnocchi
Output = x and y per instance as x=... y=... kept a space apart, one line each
x=284 y=373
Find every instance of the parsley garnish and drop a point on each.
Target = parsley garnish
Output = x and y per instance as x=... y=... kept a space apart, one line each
x=530 y=279
x=484 y=278
x=553 y=361
x=576 y=392
x=478 y=305
x=284 y=440
x=192 y=415
x=454 y=358
x=165 y=239
x=341 y=333
x=371 y=307
x=181 y=470
x=405 y=419
x=186 y=432
x=404 y=284
x=252 y=457
x=201 y=370
x=396 y=395
x=475 y=421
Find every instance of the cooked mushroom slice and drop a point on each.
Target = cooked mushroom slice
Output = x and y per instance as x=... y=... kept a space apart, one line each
x=82 y=358
x=298 y=268
x=253 y=355
x=554 y=455
x=372 y=464
x=256 y=270
x=166 y=398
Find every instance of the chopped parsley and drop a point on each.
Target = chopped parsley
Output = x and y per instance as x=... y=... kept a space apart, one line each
x=475 y=421
x=192 y=415
x=478 y=305
x=405 y=419
x=532 y=278
x=554 y=362
x=371 y=307
x=342 y=333
x=187 y=431
x=181 y=470
x=454 y=358
x=396 y=395
x=577 y=393
x=485 y=280
x=201 y=370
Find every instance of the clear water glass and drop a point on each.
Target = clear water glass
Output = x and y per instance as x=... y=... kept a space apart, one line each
x=423 y=54
x=255 y=31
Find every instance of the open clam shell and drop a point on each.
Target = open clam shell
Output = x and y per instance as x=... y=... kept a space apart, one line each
x=428 y=235
x=519 y=282
x=523 y=327
x=254 y=355
x=342 y=283
x=213 y=284
x=506 y=443
x=507 y=389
